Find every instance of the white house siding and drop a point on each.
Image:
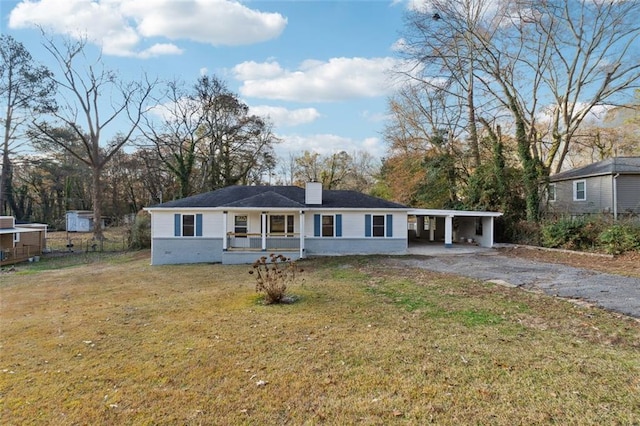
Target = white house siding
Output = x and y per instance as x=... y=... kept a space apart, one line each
x=353 y=240
x=166 y=248
x=628 y=187
x=163 y=223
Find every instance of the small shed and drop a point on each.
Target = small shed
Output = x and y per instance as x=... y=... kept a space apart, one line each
x=80 y=221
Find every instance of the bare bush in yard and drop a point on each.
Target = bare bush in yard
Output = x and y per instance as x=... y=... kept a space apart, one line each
x=273 y=275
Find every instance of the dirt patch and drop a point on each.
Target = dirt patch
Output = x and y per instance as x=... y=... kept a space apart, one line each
x=627 y=264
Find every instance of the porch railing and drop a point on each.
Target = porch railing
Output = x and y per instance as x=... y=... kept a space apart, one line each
x=18 y=254
x=253 y=241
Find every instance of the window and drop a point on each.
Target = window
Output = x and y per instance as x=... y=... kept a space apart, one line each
x=16 y=237
x=378 y=226
x=579 y=190
x=281 y=224
x=241 y=225
x=327 y=226
x=187 y=225
x=551 y=192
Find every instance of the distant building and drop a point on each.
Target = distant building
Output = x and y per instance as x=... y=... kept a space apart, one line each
x=80 y=221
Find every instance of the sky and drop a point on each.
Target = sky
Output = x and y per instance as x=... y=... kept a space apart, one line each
x=320 y=70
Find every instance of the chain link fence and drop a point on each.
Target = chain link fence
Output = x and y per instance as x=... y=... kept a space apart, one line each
x=116 y=240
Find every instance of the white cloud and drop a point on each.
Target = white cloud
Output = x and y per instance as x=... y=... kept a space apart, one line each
x=401 y=45
x=119 y=27
x=217 y=22
x=283 y=117
x=253 y=70
x=159 y=50
x=314 y=81
x=375 y=117
x=326 y=144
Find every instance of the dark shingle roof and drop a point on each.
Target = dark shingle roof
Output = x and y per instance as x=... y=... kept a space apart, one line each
x=278 y=197
x=610 y=166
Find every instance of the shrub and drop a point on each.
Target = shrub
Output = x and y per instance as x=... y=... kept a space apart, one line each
x=273 y=275
x=140 y=236
x=620 y=238
x=562 y=233
x=524 y=232
x=572 y=233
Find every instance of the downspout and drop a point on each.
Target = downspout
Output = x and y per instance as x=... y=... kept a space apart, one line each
x=615 y=197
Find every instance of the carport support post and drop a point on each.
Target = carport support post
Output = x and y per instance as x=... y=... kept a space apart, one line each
x=432 y=228
x=448 y=231
x=488 y=225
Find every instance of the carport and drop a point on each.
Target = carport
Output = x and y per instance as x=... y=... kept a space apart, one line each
x=449 y=226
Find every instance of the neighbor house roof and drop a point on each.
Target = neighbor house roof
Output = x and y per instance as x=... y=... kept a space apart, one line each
x=610 y=166
x=278 y=197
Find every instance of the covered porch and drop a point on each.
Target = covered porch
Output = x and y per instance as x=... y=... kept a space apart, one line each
x=280 y=232
x=21 y=244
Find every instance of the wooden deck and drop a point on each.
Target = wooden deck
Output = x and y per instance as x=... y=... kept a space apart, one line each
x=11 y=256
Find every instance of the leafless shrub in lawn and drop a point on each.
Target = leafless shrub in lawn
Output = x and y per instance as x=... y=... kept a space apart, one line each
x=273 y=275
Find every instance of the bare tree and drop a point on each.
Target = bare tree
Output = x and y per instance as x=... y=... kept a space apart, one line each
x=25 y=88
x=239 y=145
x=593 y=60
x=440 y=43
x=96 y=98
x=177 y=135
x=339 y=170
x=532 y=57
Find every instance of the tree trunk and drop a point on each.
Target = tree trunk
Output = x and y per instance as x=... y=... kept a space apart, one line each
x=6 y=165
x=4 y=180
x=530 y=169
x=473 y=129
x=96 y=186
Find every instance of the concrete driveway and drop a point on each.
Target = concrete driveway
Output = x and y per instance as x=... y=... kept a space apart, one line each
x=613 y=292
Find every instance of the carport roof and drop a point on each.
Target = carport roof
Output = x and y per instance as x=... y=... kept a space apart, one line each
x=459 y=213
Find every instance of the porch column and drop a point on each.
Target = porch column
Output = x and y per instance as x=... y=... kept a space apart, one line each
x=301 y=234
x=225 y=238
x=264 y=230
x=448 y=231
x=432 y=228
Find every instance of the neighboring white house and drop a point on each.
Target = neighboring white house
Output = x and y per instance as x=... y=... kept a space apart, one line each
x=233 y=224
x=80 y=221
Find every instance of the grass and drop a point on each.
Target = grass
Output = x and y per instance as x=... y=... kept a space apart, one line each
x=112 y=340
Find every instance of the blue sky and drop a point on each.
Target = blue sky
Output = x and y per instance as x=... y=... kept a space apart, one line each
x=319 y=69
